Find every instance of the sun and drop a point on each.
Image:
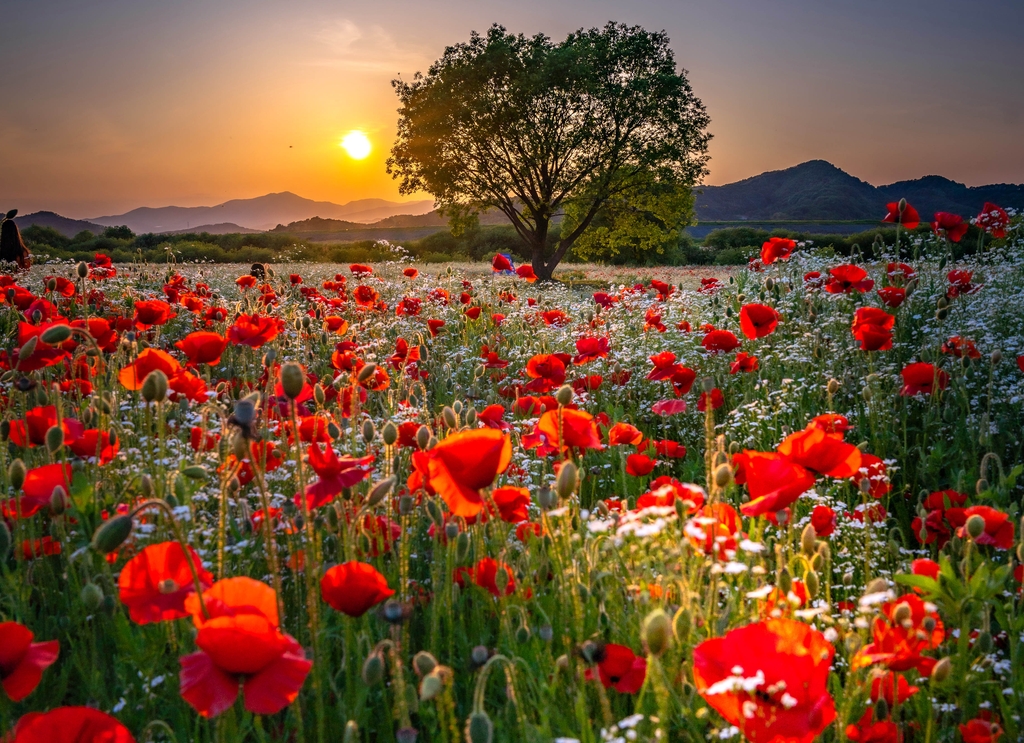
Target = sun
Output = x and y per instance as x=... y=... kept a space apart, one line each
x=356 y=144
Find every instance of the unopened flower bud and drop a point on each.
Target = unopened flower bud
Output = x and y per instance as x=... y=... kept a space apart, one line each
x=154 y=386
x=942 y=670
x=82 y=269
x=881 y=710
x=389 y=434
x=479 y=728
x=58 y=500
x=565 y=483
x=812 y=583
x=833 y=386
x=995 y=357
x=380 y=491
x=112 y=533
x=656 y=632
x=366 y=373
x=423 y=437
x=785 y=581
x=54 y=438
x=55 y=335
x=564 y=395
x=479 y=655
x=681 y=624
x=369 y=431
x=975 y=526
x=92 y=596
x=373 y=669
x=902 y=613
x=448 y=416
x=708 y=384
x=808 y=540
x=430 y=687
x=723 y=475
x=423 y=663
x=293 y=379
x=318 y=394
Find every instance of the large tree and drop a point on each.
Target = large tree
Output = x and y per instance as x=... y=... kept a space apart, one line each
x=528 y=126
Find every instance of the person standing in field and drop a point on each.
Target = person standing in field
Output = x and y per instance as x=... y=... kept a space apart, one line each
x=12 y=247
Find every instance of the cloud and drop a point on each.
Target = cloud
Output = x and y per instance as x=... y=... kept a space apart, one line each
x=348 y=46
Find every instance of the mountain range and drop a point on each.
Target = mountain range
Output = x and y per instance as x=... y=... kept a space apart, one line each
x=814 y=190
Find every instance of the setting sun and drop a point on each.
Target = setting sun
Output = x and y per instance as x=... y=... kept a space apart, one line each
x=356 y=144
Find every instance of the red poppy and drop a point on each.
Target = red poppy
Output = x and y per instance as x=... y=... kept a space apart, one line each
x=461 y=465
x=769 y=679
x=777 y=248
x=922 y=379
x=493 y=416
x=548 y=372
x=70 y=725
x=892 y=687
x=42 y=356
x=37 y=490
x=354 y=588
x=240 y=643
x=188 y=385
x=639 y=465
x=960 y=283
x=897 y=645
x=670 y=449
x=203 y=347
x=526 y=273
x=624 y=433
x=30 y=431
x=103 y=445
x=848 y=278
x=410 y=272
x=908 y=218
x=773 y=480
x=150 y=359
x=993 y=219
x=980 y=730
x=869 y=730
x=717 y=341
x=758 y=320
x=500 y=263
x=565 y=428
x=22 y=661
x=664 y=366
x=485 y=575
x=152 y=312
x=155 y=583
x=744 y=363
x=998 y=527
x=952 y=226
x=714 y=530
x=924 y=566
x=823 y=519
x=669 y=407
x=665 y=491
x=821 y=452
x=892 y=296
x=590 y=349
x=335 y=474
x=254 y=330
x=202 y=441
x=717 y=400
x=620 y=668
x=359 y=270
x=873 y=328
x=512 y=503
x=961 y=347
x=246 y=282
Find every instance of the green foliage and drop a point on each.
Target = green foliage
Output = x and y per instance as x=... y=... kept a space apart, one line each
x=527 y=125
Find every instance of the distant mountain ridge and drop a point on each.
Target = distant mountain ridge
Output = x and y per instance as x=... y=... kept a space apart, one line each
x=64 y=225
x=818 y=190
x=260 y=213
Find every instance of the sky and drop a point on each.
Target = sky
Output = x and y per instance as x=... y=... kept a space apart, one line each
x=114 y=104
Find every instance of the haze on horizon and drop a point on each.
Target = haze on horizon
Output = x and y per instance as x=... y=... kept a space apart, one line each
x=114 y=104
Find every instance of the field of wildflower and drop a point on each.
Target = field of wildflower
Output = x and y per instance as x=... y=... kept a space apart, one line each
x=400 y=503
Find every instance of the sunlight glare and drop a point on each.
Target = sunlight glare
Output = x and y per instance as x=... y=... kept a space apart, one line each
x=356 y=144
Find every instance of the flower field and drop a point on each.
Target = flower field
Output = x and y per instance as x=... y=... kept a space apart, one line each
x=399 y=503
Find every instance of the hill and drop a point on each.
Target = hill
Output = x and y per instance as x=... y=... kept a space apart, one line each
x=64 y=225
x=818 y=190
x=222 y=228
x=260 y=213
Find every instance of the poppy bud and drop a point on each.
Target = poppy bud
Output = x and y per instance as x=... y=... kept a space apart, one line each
x=941 y=314
x=154 y=386
x=479 y=655
x=16 y=473
x=29 y=348
x=5 y=540
x=111 y=534
x=808 y=539
x=430 y=687
x=351 y=732
x=564 y=395
x=567 y=478
x=546 y=632
x=995 y=357
x=373 y=669
x=366 y=373
x=54 y=438
x=708 y=384
x=942 y=670
x=369 y=431
x=723 y=475
x=501 y=581
x=656 y=632
x=393 y=612
x=681 y=624
x=847 y=579
x=881 y=709
x=901 y=613
x=92 y=596
x=975 y=526
x=318 y=394
x=981 y=486
x=195 y=472
x=389 y=434
x=448 y=416
x=451 y=529
x=5 y=430
x=812 y=583
x=479 y=728
x=405 y=505
x=984 y=641
x=423 y=663
x=769 y=283
x=55 y=335
x=58 y=500
x=82 y=269
x=785 y=581
x=902 y=205
x=379 y=491
x=878 y=585
x=833 y=386
x=239 y=446
x=269 y=357
x=293 y=379
x=332 y=430
x=462 y=547
x=523 y=634
x=422 y=437
x=546 y=498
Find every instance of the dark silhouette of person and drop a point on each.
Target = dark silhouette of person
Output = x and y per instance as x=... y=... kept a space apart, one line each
x=12 y=247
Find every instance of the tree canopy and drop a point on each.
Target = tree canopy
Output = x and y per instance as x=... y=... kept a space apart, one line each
x=535 y=128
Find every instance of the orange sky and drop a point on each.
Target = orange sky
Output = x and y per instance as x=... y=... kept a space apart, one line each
x=115 y=104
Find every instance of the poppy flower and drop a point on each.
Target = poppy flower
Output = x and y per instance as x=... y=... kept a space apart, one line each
x=590 y=349
x=624 y=433
x=823 y=519
x=103 y=445
x=500 y=263
x=897 y=645
x=777 y=248
x=892 y=296
x=769 y=679
x=547 y=370
x=998 y=527
x=980 y=730
x=70 y=725
x=37 y=490
x=993 y=219
x=908 y=218
x=151 y=312
x=512 y=503
x=821 y=452
x=869 y=730
x=188 y=385
x=30 y=431
x=714 y=530
x=922 y=379
x=485 y=575
x=669 y=449
x=758 y=320
x=245 y=282
x=464 y=463
x=155 y=583
x=960 y=283
x=773 y=480
x=664 y=366
x=22 y=661
x=410 y=272
x=203 y=347
x=42 y=356
x=565 y=428
x=813 y=279
x=639 y=465
x=848 y=278
x=241 y=644
x=360 y=270
x=744 y=363
x=669 y=407
x=526 y=273
x=873 y=328
x=952 y=226
x=924 y=566
x=620 y=668
x=717 y=341
x=254 y=331
x=664 y=491
x=150 y=359
x=873 y=470
x=334 y=474
x=354 y=588
x=961 y=347
x=717 y=400
x=709 y=285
